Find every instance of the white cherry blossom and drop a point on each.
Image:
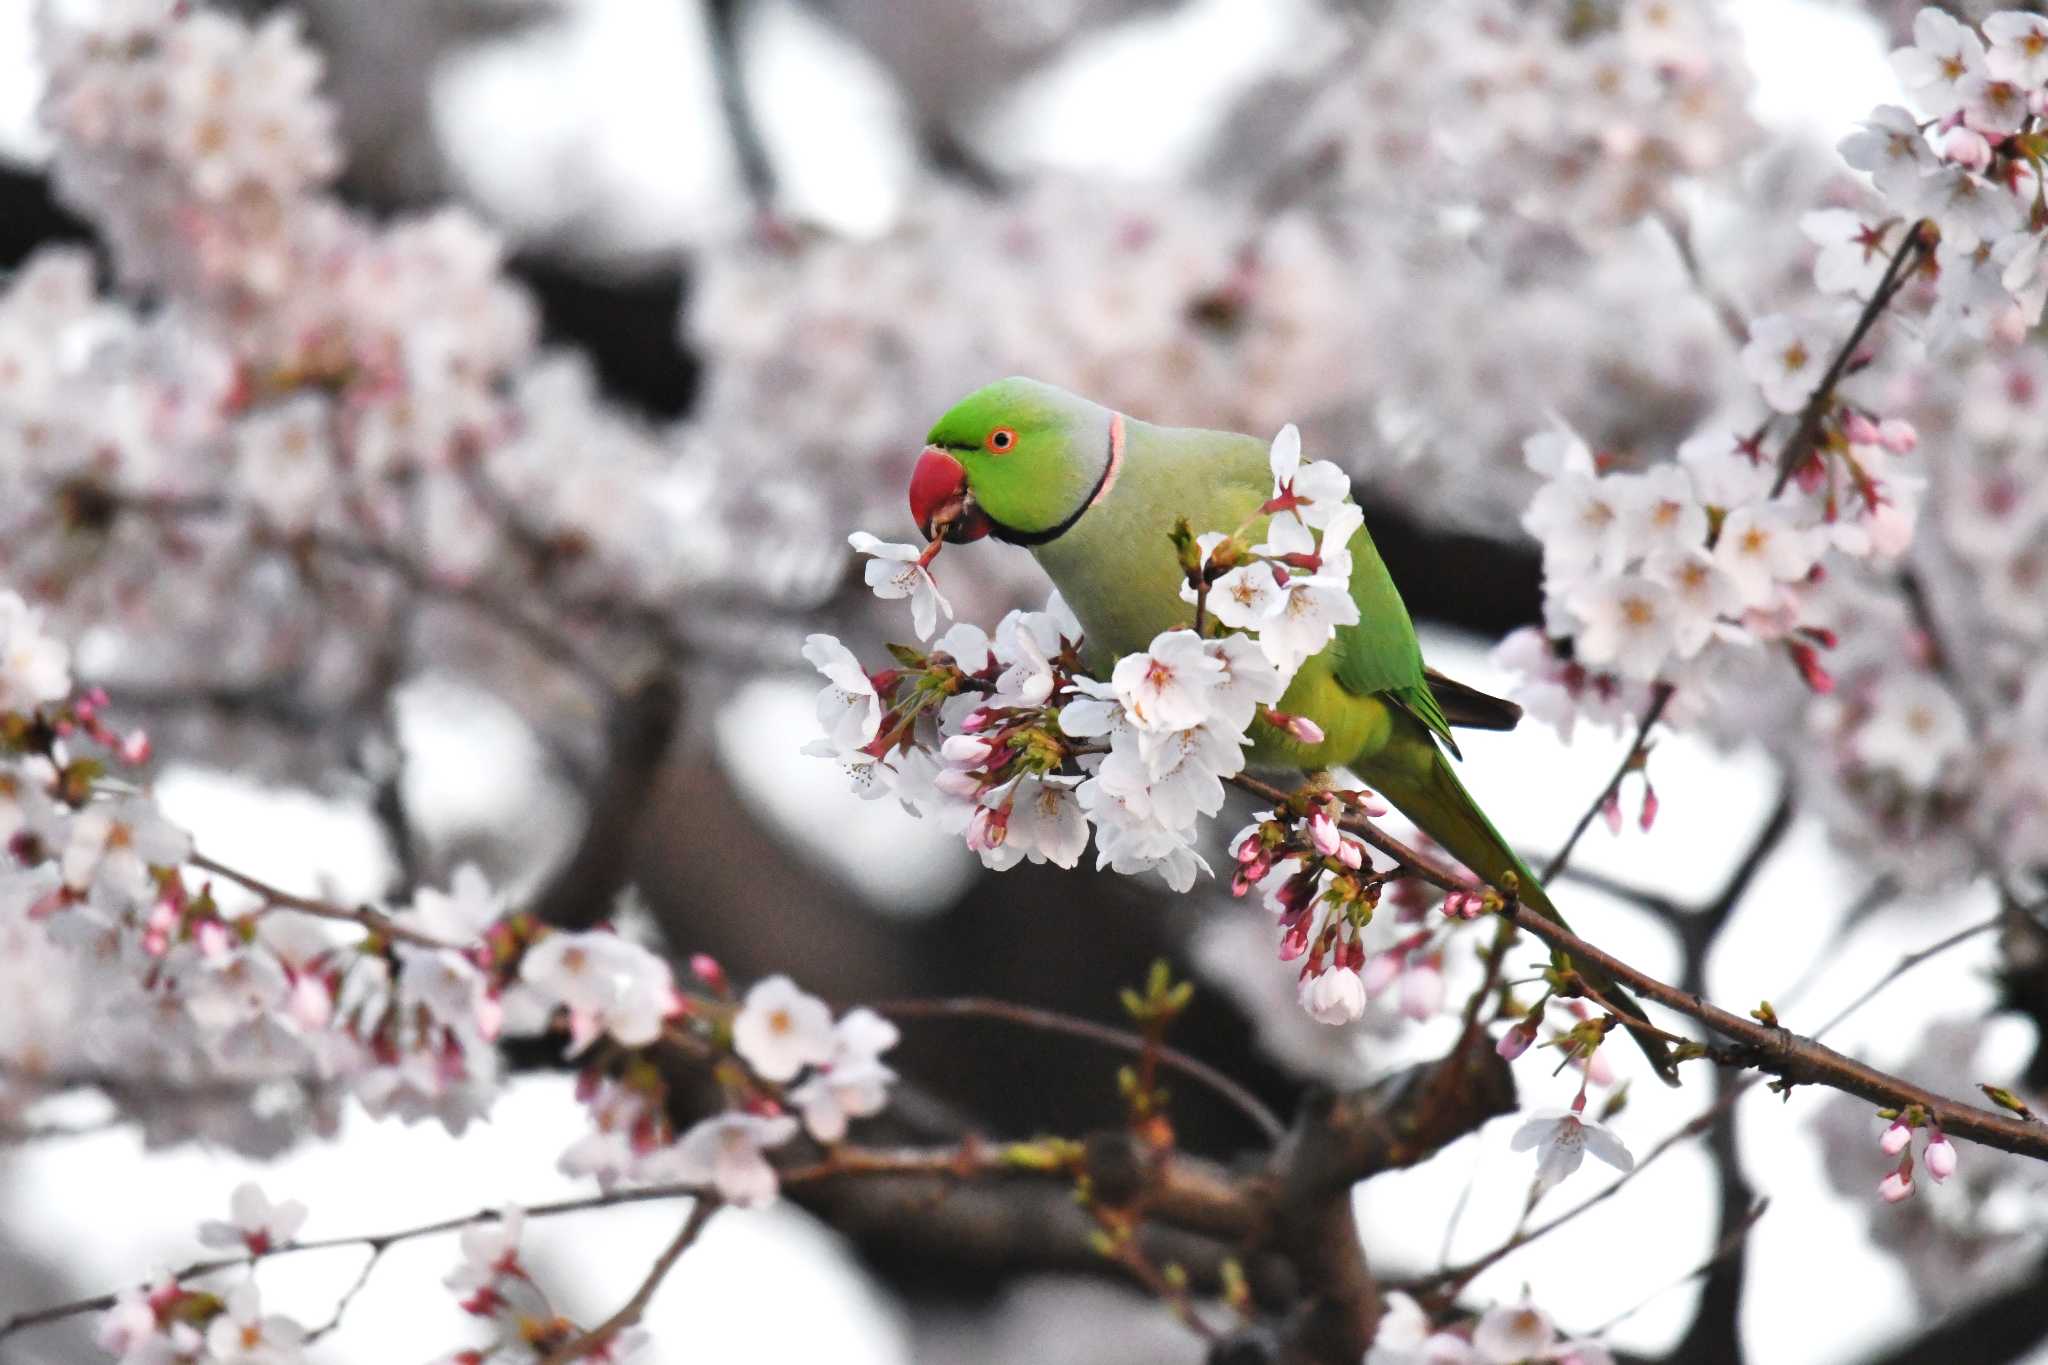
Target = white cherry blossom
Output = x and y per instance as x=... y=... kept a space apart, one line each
x=725 y=1153
x=35 y=668
x=1626 y=621
x=1944 y=53
x=1915 y=729
x=258 y=1225
x=1333 y=996
x=1761 y=548
x=781 y=1029
x=1168 y=686
x=848 y=707
x=897 y=571
x=1893 y=149
x=1561 y=1139
x=2019 y=48
x=244 y=1335
x=1786 y=357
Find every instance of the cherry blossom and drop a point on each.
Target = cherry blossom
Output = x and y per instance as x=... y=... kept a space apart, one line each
x=1333 y=996
x=1311 y=494
x=608 y=985
x=257 y=1225
x=1943 y=55
x=1512 y=1333
x=242 y=1335
x=899 y=571
x=1561 y=1139
x=34 y=667
x=853 y=1083
x=724 y=1153
x=1405 y=1336
x=847 y=707
x=1167 y=687
x=1915 y=729
x=780 y=1030
x=1785 y=358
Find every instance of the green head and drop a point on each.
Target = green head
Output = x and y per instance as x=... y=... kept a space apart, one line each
x=1018 y=458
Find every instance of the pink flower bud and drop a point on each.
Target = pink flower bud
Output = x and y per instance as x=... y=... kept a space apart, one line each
x=1351 y=853
x=1898 y=1185
x=1464 y=905
x=1967 y=148
x=1941 y=1156
x=1610 y=812
x=1322 y=832
x=1649 y=815
x=1297 y=893
x=1861 y=430
x=965 y=751
x=977 y=719
x=1808 y=663
x=1294 y=942
x=1517 y=1040
x=706 y=969
x=1895 y=1138
x=135 y=748
x=1897 y=435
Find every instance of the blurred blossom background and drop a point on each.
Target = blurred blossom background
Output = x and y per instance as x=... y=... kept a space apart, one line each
x=682 y=284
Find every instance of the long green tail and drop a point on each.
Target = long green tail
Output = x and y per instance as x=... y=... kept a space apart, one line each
x=1414 y=775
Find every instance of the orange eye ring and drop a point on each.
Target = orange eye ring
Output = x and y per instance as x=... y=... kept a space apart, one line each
x=1001 y=441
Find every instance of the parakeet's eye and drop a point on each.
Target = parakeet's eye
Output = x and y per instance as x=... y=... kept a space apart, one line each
x=1001 y=440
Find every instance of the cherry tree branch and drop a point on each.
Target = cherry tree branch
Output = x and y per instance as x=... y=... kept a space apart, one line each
x=630 y=1313
x=1800 y=1060
x=1918 y=243
x=368 y=916
x=1793 y=1058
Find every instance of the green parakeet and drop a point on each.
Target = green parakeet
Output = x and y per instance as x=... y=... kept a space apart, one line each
x=1095 y=494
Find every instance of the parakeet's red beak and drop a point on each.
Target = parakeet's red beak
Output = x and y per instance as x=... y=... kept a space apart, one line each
x=940 y=502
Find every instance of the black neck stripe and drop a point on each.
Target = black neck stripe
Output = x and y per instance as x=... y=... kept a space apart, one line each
x=1011 y=536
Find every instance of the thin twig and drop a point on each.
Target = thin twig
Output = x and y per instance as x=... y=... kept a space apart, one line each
x=1907 y=964
x=630 y=1312
x=1051 y=1021
x=1184 y=1191
x=369 y=917
x=1450 y=1282
x=1679 y=229
x=377 y=1250
x=1896 y=274
x=1630 y=760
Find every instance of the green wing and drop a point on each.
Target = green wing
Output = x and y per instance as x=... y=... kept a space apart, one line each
x=1380 y=654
